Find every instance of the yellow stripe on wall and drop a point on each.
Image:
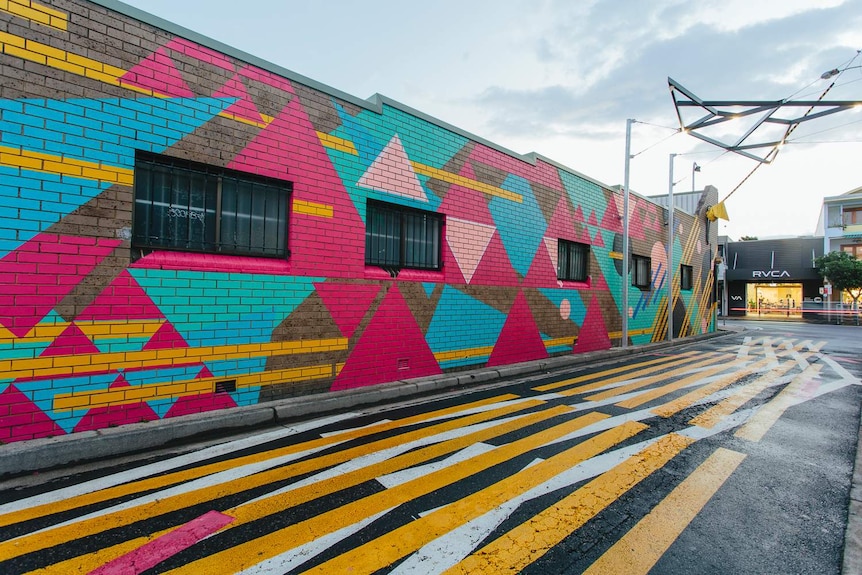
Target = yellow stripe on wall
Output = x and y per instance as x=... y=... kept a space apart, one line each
x=48 y=163
x=35 y=12
x=312 y=209
x=98 y=362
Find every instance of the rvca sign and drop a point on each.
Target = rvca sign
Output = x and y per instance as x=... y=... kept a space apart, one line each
x=770 y=274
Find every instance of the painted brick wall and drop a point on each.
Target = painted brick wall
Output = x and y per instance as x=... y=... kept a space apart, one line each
x=95 y=332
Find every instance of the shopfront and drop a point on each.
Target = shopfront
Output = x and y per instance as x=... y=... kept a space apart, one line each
x=773 y=279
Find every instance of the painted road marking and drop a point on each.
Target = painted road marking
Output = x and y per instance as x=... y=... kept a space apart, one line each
x=768 y=414
x=110 y=488
x=247 y=554
x=694 y=379
x=604 y=373
x=400 y=542
x=226 y=483
x=530 y=540
x=654 y=379
x=639 y=549
x=166 y=546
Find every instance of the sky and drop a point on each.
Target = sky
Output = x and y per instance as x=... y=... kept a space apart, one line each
x=561 y=77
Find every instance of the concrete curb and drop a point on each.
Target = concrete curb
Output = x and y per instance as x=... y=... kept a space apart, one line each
x=41 y=454
x=852 y=561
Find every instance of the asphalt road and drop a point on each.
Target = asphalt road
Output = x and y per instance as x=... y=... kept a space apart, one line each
x=733 y=455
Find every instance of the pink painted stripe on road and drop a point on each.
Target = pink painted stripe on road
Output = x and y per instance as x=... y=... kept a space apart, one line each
x=168 y=545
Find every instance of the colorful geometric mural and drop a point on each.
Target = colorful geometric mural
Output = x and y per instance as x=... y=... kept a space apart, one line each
x=95 y=332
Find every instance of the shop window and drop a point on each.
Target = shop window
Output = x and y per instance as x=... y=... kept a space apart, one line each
x=572 y=261
x=181 y=205
x=398 y=237
x=686 y=277
x=641 y=272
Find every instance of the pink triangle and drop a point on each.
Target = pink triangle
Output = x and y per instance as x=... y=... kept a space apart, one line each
x=347 y=303
x=166 y=337
x=579 y=214
x=340 y=249
x=454 y=275
x=593 y=221
x=612 y=221
x=392 y=172
x=561 y=225
x=115 y=415
x=21 y=419
x=468 y=242
x=124 y=299
x=598 y=283
x=520 y=339
x=200 y=404
x=72 y=341
x=543 y=269
x=159 y=74
x=495 y=269
x=244 y=107
x=392 y=347
x=593 y=335
x=636 y=225
x=598 y=240
x=25 y=296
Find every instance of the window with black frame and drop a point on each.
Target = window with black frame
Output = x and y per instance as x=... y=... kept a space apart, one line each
x=398 y=237
x=182 y=205
x=572 y=261
x=686 y=277
x=641 y=272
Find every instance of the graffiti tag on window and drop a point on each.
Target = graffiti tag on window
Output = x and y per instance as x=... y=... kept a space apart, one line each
x=183 y=214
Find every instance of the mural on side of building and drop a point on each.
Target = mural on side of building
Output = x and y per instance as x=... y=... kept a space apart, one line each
x=97 y=330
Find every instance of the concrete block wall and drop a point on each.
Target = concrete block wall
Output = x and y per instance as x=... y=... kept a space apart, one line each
x=97 y=332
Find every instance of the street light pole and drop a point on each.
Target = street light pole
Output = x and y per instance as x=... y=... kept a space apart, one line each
x=670 y=266
x=625 y=307
x=694 y=168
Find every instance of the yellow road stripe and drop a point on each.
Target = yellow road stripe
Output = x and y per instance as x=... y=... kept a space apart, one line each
x=253 y=552
x=389 y=548
x=169 y=479
x=639 y=549
x=529 y=541
x=692 y=397
x=727 y=406
x=56 y=536
x=655 y=378
x=762 y=421
x=472 y=184
x=606 y=372
x=676 y=385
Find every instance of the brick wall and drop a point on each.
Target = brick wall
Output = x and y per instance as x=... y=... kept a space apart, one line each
x=98 y=330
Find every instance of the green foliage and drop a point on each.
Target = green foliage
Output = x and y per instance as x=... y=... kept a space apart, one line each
x=842 y=270
x=748 y=238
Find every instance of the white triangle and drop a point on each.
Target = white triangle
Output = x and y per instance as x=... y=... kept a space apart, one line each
x=393 y=173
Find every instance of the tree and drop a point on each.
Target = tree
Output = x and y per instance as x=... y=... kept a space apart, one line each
x=844 y=272
x=748 y=238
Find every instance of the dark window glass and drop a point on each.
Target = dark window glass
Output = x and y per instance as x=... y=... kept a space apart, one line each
x=641 y=272
x=686 y=277
x=397 y=237
x=182 y=205
x=572 y=261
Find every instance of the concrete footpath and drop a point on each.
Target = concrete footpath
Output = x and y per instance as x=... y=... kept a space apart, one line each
x=42 y=454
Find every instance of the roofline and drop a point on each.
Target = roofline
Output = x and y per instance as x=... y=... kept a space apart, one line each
x=374 y=103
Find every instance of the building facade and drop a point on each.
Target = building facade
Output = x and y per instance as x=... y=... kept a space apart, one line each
x=840 y=224
x=774 y=279
x=185 y=228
